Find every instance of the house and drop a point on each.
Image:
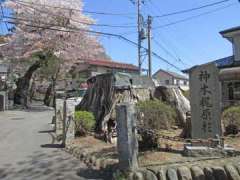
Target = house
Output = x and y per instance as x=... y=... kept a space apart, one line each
x=229 y=70
x=85 y=69
x=164 y=77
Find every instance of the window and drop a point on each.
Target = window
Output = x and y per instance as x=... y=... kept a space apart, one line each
x=236 y=91
x=167 y=82
x=185 y=83
x=230 y=91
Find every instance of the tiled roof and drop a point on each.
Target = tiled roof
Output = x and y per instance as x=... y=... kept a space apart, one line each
x=173 y=74
x=230 y=30
x=227 y=61
x=112 y=64
x=220 y=63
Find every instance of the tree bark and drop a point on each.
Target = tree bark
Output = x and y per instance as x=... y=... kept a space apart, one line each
x=48 y=96
x=49 y=99
x=21 y=96
x=32 y=90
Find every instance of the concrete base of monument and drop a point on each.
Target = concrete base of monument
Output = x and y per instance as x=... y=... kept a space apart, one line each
x=204 y=151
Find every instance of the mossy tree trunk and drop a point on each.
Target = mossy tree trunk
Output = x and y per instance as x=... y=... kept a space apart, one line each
x=22 y=92
x=21 y=96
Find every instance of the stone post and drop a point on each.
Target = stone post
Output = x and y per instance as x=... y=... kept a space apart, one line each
x=59 y=117
x=3 y=100
x=127 y=143
x=68 y=123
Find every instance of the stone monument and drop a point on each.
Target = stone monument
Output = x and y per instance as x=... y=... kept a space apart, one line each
x=68 y=123
x=127 y=143
x=205 y=99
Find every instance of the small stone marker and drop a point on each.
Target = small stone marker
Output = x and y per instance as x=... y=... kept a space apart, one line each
x=205 y=96
x=3 y=100
x=69 y=126
x=127 y=143
x=59 y=117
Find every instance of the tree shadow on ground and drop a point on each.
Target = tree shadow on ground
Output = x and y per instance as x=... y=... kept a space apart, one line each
x=52 y=146
x=47 y=131
x=96 y=174
x=53 y=164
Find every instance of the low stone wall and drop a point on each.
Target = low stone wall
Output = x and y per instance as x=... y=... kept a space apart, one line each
x=218 y=169
x=89 y=159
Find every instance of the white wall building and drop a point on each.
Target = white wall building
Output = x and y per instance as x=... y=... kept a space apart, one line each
x=168 y=78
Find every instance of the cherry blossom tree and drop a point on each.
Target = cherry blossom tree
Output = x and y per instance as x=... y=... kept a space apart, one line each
x=56 y=26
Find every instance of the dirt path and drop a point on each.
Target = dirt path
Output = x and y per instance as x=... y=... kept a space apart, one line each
x=27 y=152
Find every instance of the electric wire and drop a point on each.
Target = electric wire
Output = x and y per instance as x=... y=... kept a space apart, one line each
x=195 y=16
x=76 y=30
x=77 y=21
x=174 y=55
x=192 y=9
x=128 y=15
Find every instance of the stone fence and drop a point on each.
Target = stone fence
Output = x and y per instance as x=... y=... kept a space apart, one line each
x=228 y=169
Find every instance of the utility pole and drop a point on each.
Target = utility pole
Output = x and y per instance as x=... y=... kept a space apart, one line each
x=139 y=35
x=149 y=27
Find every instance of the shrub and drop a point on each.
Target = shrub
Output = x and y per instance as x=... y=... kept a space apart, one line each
x=186 y=94
x=154 y=114
x=84 y=122
x=231 y=120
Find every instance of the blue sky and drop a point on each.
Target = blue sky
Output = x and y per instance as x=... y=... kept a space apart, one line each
x=194 y=42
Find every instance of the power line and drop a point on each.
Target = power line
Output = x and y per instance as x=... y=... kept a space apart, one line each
x=186 y=19
x=194 y=17
x=81 y=22
x=128 y=15
x=175 y=56
x=192 y=9
x=76 y=30
x=165 y=50
x=54 y=14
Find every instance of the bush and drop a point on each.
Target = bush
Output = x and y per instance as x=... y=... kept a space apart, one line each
x=231 y=120
x=154 y=114
x=186 y=94
x=84 y=122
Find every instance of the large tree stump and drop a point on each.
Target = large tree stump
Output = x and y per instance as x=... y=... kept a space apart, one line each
x=107 y=90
